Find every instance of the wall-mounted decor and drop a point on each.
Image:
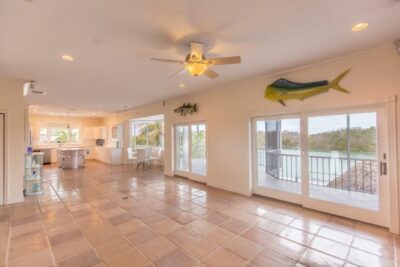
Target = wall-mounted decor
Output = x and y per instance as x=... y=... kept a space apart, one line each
x=283 y=89
x=186 y=108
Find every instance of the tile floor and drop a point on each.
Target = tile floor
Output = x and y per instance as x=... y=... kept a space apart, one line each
x=118 y=216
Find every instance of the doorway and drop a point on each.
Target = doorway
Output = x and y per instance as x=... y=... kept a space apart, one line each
x=2 y=158
x=190 y=151
x=332 y=161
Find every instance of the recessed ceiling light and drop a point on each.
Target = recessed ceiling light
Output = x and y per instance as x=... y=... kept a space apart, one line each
x=67 y=58
x=359 y=26
x=182 y=85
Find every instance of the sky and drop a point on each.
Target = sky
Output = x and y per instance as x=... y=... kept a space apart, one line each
x=328 y=123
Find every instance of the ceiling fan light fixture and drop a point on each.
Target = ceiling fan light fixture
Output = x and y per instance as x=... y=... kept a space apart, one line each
x=359 y=26
x=195 y=68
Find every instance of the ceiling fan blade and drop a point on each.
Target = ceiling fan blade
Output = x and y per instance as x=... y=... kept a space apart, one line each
x=225 y=60
x=167 y=60
x=211 y=74
x=197 y=49
x=180 y=72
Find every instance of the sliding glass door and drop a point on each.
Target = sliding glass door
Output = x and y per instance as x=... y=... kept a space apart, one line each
x=190 y=151
x=333 y=162
x=278 y=157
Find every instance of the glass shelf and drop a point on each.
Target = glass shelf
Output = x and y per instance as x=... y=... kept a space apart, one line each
x=33 y=182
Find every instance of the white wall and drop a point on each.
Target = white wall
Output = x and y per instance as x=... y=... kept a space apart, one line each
x=227 y=110
x=12 y=103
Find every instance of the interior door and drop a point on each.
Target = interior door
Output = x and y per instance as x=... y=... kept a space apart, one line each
x=190 y=151
x=2 y=157
x=347 y=167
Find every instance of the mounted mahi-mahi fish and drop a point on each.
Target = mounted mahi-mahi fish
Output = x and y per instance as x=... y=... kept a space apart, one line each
x=283 y=89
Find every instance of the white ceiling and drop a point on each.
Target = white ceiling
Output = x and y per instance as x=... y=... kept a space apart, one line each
x=112 y=42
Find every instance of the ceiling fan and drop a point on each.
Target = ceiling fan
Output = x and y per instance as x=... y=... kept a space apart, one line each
x=197 y=64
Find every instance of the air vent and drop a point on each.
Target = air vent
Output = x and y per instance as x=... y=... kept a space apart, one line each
x=37 y=92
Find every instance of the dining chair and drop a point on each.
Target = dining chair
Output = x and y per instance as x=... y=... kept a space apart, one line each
x=132 y=155
x=141 y=158
x=155 y=155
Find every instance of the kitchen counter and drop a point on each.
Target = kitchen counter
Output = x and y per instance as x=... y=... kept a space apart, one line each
x=71 y=157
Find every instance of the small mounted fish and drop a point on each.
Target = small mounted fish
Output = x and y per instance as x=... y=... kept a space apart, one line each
x=186 y=109
x=282 y=89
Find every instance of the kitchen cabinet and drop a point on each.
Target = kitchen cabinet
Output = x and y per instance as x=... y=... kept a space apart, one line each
x=100 y=133
x=108 y=155
x=88 y=133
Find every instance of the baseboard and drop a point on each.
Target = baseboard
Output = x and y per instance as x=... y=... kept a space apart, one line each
x=16 y=199
x=229 y=188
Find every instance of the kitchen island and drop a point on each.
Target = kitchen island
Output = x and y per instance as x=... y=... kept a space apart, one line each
x=71 y=157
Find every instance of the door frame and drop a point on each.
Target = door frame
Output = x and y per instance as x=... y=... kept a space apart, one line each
x=389 y=107
x=189 y=174
x=3 y=187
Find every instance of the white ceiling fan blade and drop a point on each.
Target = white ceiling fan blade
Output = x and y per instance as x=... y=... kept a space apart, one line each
x=211 y=74
x=180 y=72
x=225 y=60
x=197 y=49
x=167 y=60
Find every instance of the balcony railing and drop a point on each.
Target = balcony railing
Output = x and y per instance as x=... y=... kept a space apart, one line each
x=352 y=174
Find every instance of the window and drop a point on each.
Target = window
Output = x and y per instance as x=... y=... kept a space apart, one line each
x=147 y=133
x=59 y=135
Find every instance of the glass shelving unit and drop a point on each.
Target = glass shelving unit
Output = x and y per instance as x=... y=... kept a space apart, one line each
x=33 y=174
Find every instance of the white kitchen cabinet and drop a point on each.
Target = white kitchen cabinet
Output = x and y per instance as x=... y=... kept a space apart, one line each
x=88 y=133
x=108 y=155
x=100 y=132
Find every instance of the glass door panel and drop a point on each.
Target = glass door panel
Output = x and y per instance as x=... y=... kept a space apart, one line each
x=342 y=159
x=278 y=154
x=182 y=149
x=198 y=149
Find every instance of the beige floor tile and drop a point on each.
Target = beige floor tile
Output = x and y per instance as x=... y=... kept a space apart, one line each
x=200 y=249
x=27 y=248
x=269 y=257
x=70 y=248
x=336 y=235
x=128 y=258
x=198 y=219
x=270 y=226
x=304 y=225
x=315 y=258
x=258 y=236
x=330 y=247
x=110 y=249
x=362 y=258
x=297 y=236
x=142 y=235
x=235 y=225
x=286 y=247
x=40 y=258
x=216 y=218
x=373 y=247
x=243 y=247
x=200 y=226
x=156 y=248
x=224 y=257
x=86 y=258
x=166 y=226
x=130 y=226
x=219 y=235
x=176 y=258
x=183 y=237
